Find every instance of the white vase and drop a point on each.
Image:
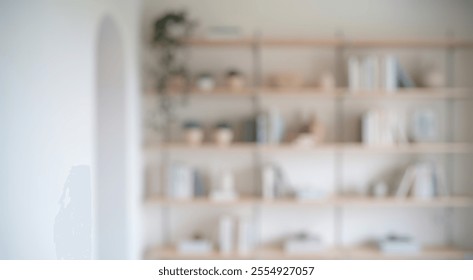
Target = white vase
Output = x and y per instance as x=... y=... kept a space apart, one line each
x=194 y=136
x=206 y=83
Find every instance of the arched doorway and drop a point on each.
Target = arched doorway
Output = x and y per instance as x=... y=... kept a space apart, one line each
x=111 y=231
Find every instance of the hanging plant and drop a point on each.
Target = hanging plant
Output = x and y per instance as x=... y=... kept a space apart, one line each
x=170 y=36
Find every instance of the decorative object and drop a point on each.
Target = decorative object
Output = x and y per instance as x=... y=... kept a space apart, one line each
x=180 y=181
x=223 y=134
x=424 y=180
x=434 y=78
x=205 y=82
x=304 y=140
x=226 y=234
x=268 y=182
x=193 y=133
x=199 y=184
x=327 y=81
x=272 y=181
x=398 y=244
x=245 y=236
x=380 y=189
x=196 y=245
x=286 y=80
x=424 y=126
x=309 y=193
x=176 y=84
x=317 y=130
x=312 y=133
x=303 y=243
x=170 y=33
x=223 y=188
x=234 y=80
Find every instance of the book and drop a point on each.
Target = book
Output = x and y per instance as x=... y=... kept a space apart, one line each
x=403 y=79
x=424 y=181
x=354 y=74
x=262 y=128
x=406 y=183
x=390 y=73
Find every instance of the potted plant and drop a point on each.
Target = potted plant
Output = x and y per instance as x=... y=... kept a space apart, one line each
x=194 y=134
x=223 y=134
x=169 y=38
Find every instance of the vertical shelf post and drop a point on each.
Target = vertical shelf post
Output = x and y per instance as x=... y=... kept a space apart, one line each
x=257 y=157
x=450 y=135
x=339 y=137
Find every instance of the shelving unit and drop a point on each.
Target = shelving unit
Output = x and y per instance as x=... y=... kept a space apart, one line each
x=340 y=96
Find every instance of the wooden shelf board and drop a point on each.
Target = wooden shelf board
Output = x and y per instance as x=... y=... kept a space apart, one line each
x=242 y=201
x=332 y=253
x=325 y=202
x=406 y=202
x=331 y=42
x=172 y=253
x=408 y=43
x=437 y=148
x=426 y=253
x=237 y=146
x=300 y=42
x=347 y=148
x=412 y=93
x=337 y=93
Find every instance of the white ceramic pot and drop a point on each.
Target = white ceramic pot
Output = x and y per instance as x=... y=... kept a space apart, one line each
x=206 y=83
x=235 y=83
x=194 y=136
x=223 y=136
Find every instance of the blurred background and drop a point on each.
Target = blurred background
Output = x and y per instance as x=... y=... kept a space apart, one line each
x=236 y=129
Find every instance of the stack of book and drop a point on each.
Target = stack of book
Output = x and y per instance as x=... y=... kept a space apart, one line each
x=382 y=127
x=267 y=127
x=422 y=180
x=183 y=182
x=372 y=73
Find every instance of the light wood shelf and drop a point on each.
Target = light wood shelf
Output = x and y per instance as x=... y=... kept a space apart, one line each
x=367 y=252
x=242 y=201
x=337 y=93
x=410 y=148
x=172 y=253
x=359 y=201
x=331 y=42
x=441 y=252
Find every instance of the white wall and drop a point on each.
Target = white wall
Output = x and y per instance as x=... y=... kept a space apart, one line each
x=47 y=112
